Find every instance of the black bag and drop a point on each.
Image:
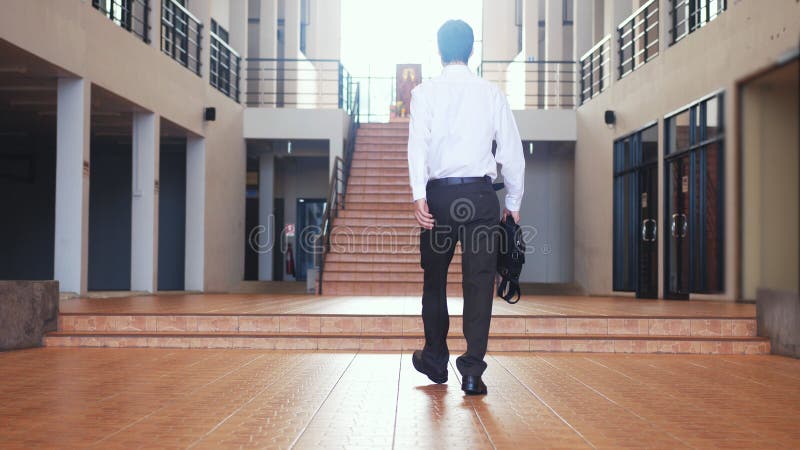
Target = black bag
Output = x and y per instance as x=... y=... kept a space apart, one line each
x=510 y=258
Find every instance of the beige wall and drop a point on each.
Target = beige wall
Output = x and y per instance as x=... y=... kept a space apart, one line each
x=747 y=37
x=74 y=36
x=770 y=183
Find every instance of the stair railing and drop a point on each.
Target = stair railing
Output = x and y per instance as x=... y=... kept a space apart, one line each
x=338 y=186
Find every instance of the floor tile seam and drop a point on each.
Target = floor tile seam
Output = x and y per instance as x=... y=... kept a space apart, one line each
x=132 y=424
x=327 y=396
x=397 y=398
x=475 y=412
x=296 y=363
x=543 y=402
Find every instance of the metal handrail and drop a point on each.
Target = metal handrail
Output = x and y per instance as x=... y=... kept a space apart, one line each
x=132 y=16
x=594 y=70
x=224 y=67
x=636 y=45
x=338 y=188
x=177 y=21
x=298 y=82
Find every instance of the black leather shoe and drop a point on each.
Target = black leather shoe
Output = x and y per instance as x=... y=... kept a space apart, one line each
x=419 y=364
x=473 y=385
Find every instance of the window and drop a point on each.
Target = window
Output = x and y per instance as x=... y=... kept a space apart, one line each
x=305 y=21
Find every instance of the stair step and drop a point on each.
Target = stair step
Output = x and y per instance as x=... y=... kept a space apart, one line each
x=379 y=189
x=379 y=258
x=381 y=164
x=289 y=324
x=401 y=199
x=375 y=231
x=377 y=180
x=379 y=156
x=383 y=140
x=382 y=288
x=381 y=214
x=380 y=172
x=372 y=221
x=412 y=341
x=388 y=147
x=384 y=126
x=383 y=268
x=392 y=133
x=406 y=206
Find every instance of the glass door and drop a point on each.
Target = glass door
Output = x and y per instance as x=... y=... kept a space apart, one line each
x=636 y=213
x=694 y=219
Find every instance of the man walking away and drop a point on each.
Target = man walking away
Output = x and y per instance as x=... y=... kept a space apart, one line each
x=454 y=119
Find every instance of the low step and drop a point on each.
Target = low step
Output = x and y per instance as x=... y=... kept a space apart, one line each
x=391 y=133
x=388 y=342
x=361 y=155
x=528 y=325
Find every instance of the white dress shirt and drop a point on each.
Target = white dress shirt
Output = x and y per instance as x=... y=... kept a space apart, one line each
x=454 y=118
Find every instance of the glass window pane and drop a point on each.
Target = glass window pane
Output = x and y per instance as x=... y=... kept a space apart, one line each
x=650 y=144
x=679 y=132
x=713 y=128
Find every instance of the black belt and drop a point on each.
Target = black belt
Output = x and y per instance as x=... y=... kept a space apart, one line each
x=459 y=180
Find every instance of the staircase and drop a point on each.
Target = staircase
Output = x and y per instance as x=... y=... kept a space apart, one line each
x=375 y=238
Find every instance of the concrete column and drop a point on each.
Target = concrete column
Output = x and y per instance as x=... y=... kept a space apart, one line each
x=144 y=206
x=237 y=23
x=584 y=15
x=266 y=194
x=195 y=213
x=267 y=48
x=664 y=26
x=292 y=28
x=531 y=29
x=554 y=50
x=72 y=184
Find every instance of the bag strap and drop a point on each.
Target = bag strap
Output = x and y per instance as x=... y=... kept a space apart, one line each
x=507 y=289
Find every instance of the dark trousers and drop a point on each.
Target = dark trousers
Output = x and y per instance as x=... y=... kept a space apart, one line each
x=466 y=213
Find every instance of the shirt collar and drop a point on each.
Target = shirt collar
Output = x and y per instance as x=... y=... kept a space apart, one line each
x=455 y=68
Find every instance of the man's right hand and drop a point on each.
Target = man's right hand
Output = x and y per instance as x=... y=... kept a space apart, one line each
x=424 y=217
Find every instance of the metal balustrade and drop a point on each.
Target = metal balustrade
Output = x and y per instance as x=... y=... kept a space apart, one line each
x=689 y=15
x=594 y=66
x=181 y=35
x=637 y=37
x=224 y=67
x=298 y=83
x=131 y=15
x=534 y=84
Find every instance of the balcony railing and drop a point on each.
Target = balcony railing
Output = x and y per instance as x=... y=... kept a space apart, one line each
x=131 y=15
x=534 y=84
x=689 y=15
x=181 y=35
x=224 y=67
x=299 y=83
x=638 y=38
x=594 y=66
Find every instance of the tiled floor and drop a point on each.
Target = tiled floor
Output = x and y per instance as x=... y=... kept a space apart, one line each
x=243 y=304
x=161 y=398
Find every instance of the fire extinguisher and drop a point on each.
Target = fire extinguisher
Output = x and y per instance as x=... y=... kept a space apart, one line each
x=289 y=260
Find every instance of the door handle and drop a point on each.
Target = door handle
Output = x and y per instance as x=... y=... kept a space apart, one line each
x=684 y=225
x=645 y=222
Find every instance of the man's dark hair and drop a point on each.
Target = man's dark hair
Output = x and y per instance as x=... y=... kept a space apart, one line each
x=455 y=41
